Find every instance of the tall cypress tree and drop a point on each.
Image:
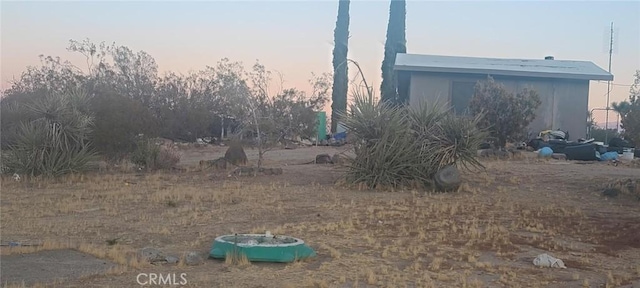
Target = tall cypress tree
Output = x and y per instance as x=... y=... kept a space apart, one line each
x=396 y=43
x=340 y=72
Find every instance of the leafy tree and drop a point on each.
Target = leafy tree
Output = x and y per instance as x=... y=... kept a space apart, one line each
x=340 y=67
x=503 y=114
x=118 y=122
x=600 y=134
x=396 y=43
x=288 y=114
x=629 y=111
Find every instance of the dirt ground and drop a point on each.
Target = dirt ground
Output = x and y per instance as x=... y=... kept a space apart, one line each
x=485 y=235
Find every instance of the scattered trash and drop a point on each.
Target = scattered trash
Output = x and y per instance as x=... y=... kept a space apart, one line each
x=16 y=177
x=628 y=154
x=546 y=260
x=609 y=156
x=545 y=152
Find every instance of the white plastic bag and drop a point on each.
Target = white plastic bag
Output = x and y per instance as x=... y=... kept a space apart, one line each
x=546 y=260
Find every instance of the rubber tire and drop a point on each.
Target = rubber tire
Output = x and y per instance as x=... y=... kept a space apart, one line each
x=447 y=179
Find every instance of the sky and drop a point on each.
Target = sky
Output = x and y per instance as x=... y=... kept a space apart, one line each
x=295 y=37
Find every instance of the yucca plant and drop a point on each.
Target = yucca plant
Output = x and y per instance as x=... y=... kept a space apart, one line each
x=51 y=140
x=400 y=145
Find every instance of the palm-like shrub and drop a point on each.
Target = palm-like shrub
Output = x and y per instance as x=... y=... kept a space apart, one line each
x=51 y=139
x=399 y=146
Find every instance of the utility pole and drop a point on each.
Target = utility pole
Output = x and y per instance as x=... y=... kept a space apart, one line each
x=606 y=123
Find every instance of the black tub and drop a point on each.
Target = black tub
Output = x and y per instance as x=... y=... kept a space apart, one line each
x=583 y=152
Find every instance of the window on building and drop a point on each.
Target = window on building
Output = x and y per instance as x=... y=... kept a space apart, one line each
x=461 y=93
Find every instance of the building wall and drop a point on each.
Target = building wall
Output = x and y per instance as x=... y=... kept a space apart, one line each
x=564 y=101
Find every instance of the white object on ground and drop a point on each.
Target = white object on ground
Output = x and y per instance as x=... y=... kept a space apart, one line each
x=268 y=234
x=546 y=260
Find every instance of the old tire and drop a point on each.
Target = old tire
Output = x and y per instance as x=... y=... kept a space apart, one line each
x=447 y=179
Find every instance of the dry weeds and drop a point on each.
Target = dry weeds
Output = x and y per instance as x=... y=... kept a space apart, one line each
x=484 y=235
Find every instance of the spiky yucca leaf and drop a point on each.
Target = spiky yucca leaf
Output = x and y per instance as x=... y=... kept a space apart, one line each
x=399 y=145
x=53 y=141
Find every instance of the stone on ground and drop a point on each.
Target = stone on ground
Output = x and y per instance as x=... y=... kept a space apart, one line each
x=323 y=159
x=193 y=258
x=151 y=254
x=172 y=259
x=338 y=159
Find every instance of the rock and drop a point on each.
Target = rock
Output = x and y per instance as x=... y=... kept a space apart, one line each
x=448 y=178
x=235 y=154
x=323 y=159
x=559 y=156
x=339 y=159
x=193 y=258
x=172 y=259
x=546 y=260
x=611 y=192
x=151 y=254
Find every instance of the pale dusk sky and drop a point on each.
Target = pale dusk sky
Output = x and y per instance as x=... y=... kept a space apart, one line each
x=294 y=37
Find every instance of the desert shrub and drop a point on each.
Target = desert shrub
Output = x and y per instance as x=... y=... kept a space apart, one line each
x=600 y=134
x=51 y=139
x=631 y=125
x=13 y=112
x=630 y=112
x=118 y=121
x=235 y=154
x=502 y=113
x=152 y=157
x=399 y=146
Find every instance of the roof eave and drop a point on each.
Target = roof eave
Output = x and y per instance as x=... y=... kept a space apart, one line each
x=575 y=76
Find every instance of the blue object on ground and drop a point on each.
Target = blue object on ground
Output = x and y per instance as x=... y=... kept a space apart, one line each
x=545 y=152
x=609 y=156
x=340 y=136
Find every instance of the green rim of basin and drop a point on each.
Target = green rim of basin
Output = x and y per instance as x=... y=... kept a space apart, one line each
x=261 y=250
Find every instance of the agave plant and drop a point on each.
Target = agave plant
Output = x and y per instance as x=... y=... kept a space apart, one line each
x=52 y=138
x=400 y=145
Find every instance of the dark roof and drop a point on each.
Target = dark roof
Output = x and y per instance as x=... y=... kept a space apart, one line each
x=565 y=69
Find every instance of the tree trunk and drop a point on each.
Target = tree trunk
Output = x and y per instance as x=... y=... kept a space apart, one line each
x=340 y=71
x=260 y=148
x=395 y=43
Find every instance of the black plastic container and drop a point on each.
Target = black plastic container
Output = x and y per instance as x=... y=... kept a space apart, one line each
x=583 y=152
